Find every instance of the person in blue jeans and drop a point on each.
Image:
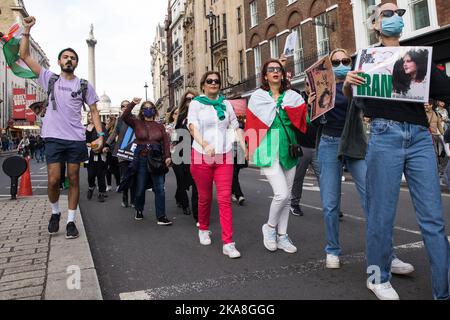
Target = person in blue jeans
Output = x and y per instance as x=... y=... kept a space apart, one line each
x=332 y=166
x=151 y=137
x=400 y=142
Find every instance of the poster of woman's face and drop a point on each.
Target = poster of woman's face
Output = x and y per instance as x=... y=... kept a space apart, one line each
x=397 y=73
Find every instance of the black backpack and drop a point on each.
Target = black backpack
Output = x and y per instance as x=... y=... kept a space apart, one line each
x=51 y=91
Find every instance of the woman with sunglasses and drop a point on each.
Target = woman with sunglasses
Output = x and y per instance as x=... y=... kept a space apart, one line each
x=273 y=114
x=331 y=165
x=180 y=167
x=209 y=118
x=400 y=142
x=151 y=137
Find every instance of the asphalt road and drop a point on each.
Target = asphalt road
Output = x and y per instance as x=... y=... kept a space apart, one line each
x=137 y=260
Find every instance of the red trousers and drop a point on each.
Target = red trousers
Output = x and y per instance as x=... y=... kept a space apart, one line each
x=219 y=170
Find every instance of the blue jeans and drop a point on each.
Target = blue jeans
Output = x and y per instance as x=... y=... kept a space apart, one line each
x=331 y=170
x=158 y=188
x=396 y=148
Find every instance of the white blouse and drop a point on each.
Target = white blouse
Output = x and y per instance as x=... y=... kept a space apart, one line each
x=218 y=134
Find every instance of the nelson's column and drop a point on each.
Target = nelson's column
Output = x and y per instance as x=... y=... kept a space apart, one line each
x=91 y=59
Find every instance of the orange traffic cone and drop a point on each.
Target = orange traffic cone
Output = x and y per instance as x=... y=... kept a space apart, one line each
x=25 y=189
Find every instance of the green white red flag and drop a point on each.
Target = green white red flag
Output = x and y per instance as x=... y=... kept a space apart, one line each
x=11 y=46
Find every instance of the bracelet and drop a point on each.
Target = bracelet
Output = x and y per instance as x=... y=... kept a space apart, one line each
x=25 y=34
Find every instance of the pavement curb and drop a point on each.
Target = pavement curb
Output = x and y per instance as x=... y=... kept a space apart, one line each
x=37 y=266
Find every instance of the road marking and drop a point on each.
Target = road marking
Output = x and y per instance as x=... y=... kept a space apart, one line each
x=43 y=168
x=364 y=220
x=184 y=289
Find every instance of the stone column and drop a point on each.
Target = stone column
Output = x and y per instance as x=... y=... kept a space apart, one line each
x=91 y=42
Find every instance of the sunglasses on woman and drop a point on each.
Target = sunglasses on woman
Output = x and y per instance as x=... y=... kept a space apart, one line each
x=274 y=70
x=390 y=13
x=346 y=62
x=213 y=81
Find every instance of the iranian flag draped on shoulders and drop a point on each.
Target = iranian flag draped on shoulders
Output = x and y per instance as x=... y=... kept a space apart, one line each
x=262 y=111
x=11 y=47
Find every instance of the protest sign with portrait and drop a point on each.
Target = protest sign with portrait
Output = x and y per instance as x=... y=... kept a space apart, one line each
x=395 y=73
x=322 y=82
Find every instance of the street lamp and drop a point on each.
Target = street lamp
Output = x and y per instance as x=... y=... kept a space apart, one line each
x=146 y=87
x=211 y=17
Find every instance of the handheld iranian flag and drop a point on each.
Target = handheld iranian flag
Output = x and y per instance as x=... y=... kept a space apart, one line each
x=11 y=48
x=261 y=114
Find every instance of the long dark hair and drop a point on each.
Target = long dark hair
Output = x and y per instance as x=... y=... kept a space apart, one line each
x=183 y=108
x=401 y=82
x=285 y=84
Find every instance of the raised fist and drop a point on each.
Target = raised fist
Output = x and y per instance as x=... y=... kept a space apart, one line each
x=29 y=22
x=136 y=101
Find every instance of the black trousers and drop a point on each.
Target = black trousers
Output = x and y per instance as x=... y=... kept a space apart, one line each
x=184 y=182
x=131 y=189
x=237 y=191
x=97 y=170
x=112 y=170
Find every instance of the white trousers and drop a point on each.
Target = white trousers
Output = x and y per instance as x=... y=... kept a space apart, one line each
x=282 y=182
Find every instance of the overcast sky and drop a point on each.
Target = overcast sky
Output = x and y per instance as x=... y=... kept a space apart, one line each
x=124 y=30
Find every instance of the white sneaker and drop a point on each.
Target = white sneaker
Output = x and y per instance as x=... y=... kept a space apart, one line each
x=270 y=238
x=231 y=251
x=241 y=201
x=108 y=188
x=400 y=267
x=333 y=262
x=205 y=237
x=233 y=198
x=383 y=291
x=343 y=179
x=285 y=244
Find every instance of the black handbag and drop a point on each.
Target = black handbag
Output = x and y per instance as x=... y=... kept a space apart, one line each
x=155 y=161
x=295 y=150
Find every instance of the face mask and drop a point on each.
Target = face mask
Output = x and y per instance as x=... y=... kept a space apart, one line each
x=149 y=113
x=393 y=26
x=341 y=71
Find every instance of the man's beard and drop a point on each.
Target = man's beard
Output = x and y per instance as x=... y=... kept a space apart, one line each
x=68 y=69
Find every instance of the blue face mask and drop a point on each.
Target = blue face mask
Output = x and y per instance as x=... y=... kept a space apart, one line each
x=341 y=71
x=393 y=26
x=149 y=113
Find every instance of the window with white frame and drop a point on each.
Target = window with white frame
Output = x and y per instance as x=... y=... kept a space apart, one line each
x=323 y=47
x=299 y=64
x=253 y=14
x=270 y=7
x=274 y=48
x=420 y=14
x=420 y=17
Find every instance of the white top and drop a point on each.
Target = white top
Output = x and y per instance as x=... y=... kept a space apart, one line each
x=218 y=134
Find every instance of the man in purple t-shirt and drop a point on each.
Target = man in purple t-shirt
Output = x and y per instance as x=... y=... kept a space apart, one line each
x=63 y=131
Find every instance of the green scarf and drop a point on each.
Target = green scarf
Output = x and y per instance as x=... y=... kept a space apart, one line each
x=218 y=104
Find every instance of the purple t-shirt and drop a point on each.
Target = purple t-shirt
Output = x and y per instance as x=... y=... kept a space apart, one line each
x=66 y=121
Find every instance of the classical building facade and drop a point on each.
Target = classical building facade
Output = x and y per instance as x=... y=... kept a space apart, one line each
x=11 y=11
x=175 y=41
x=160 y=84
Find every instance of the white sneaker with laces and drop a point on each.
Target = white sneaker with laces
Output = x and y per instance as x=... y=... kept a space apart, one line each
x=383 y=291
x=333 y=262
x=205 y=237
x=108 y=188
x=241 y=201
x=270 y=238
x=400 y=267
x=233 y=198
x=231 y=251
x=285 y=243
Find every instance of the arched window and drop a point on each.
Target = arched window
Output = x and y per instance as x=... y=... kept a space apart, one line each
x=223 y=70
